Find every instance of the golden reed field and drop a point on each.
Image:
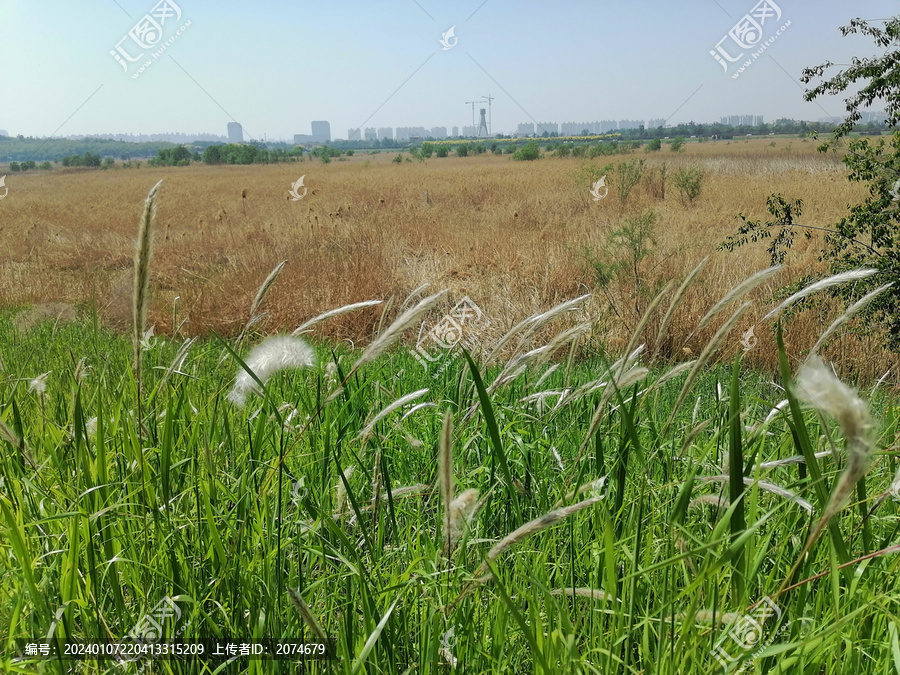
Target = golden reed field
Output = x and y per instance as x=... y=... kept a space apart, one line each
x=511 y=235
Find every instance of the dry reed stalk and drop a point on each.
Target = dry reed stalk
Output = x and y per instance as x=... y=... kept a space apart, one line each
x=143 y=250
x=592 y=593
x=392 y=332
x=445 y=473
x=676 y=300
x=828 y=282
x=399 y=403
x=648 y=312
x=530 y=528
x=335 y=312
x=849 y=313
x=270 y=356
x=736 y=292
x=820 y=388
x=340 y=496
x=307 y=615
x=705 y=355
x=764 y=485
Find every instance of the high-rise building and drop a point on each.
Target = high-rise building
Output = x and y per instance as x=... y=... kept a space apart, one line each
x=469 y=131
x=354 y=135
x=455 y=132
x=549 y=127
x=401 y=134
x=656 y=124
x=385 y=133
x=525 y=129
x=371 y=133
x=608 y=125
x=235 y=133
x=758 y=120
x=630 y=124
x=438 y=132
x=321 y=132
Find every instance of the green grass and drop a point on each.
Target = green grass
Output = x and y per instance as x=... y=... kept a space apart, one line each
x=201 y=503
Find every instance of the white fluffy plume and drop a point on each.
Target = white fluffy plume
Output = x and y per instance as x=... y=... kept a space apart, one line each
x=267 y=358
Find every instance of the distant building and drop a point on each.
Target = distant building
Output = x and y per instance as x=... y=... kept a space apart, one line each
x=455 y=132
x=869 y=116
x=656 y=124
x=571 y=128
x=3 y=133
x=401 y=134
x=385 y=133
x=608 y=125
x=303 y=139
x=354 y=135
x=438 y=132
x=469 y=131
x=525 y=129
x=235 y=133
x=549 y=127
x=834 y=119
x=371 y=134
x=758 y=120
x=321 y=132
x=630 y=124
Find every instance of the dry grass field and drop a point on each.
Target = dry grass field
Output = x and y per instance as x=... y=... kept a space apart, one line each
x=511 y=235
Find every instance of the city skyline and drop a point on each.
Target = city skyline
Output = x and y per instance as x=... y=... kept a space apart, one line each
x=373 y=66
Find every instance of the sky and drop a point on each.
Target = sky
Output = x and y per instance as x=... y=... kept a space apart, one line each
x=275 y=66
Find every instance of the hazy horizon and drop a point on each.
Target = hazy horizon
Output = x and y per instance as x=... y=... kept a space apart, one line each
x=276 y=68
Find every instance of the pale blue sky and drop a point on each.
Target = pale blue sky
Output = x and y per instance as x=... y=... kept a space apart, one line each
x=276 y=65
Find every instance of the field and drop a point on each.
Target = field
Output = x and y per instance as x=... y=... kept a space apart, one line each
x=515 y=237
x=562 y=500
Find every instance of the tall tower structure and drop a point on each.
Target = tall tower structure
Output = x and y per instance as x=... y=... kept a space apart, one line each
x=483 y=123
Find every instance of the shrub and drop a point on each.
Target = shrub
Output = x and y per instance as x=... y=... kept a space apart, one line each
x=528 y=152
x=14 y=167
x=654 y=145
x=462 y=151
x=688 y=182
x=441 y=151
x=677 y=144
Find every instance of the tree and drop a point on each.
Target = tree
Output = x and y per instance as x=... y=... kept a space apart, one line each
x=869 y=236
x=212 y=155
x=462 y=150
x=441 y=151
x=677 y=144
x=14 y=167
x=654 y=144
